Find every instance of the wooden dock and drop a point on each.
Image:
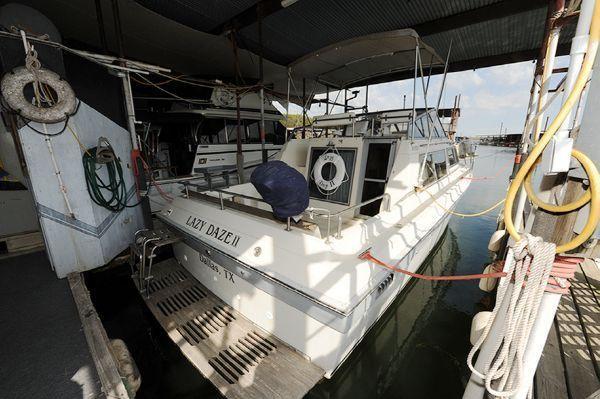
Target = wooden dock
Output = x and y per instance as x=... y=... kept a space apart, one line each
x=569 y=367
x=240 y=359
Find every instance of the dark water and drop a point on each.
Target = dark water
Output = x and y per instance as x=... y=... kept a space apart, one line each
x=417 y=349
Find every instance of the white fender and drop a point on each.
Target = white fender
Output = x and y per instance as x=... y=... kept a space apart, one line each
x=488 y=284
x=478 y=324
x=496 y=240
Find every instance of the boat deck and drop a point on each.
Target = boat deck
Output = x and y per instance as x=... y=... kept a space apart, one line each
x=569 y=367
x=240 y=359
x=44 y=350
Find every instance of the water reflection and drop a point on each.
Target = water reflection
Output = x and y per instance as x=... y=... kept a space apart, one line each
x=399 y=351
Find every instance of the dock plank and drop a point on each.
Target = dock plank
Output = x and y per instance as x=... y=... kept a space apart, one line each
x=98 y=342
x=568 y=367
x=581 y=374
x=239 y=358
x=550 y=380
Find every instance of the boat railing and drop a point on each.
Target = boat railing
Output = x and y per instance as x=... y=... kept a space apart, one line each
x=314 y=211
x=208 y=177
x=310 y=211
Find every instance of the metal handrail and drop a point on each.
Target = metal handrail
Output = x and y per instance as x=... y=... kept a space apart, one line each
x=329 y=215
x=311 y=210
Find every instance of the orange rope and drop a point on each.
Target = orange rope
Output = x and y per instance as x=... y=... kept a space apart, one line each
x=367 y=256
x=563 y=269
x=162 y=193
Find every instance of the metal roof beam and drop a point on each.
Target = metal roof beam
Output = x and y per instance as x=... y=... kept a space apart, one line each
x=249 y=16
x=498 y=10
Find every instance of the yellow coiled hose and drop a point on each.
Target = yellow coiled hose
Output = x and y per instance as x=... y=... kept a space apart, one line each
x=523 y=177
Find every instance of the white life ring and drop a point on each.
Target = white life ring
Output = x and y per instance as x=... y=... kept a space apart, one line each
x=15 y=81
x=340 y=171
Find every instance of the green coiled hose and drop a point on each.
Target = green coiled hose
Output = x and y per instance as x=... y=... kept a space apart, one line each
x=108 y=192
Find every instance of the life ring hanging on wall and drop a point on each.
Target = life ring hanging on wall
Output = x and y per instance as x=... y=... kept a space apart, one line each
x=14 y=82
x=329 y=187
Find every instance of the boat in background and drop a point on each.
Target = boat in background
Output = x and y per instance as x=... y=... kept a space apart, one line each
x=201 y=142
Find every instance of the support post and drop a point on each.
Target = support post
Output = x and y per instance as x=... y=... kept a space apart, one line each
x=366 y=98
x=326 y=107
x=345 y=100
x=287 y=109
x=117 y=26
x=101 y=30
x=414 y=109
x=303 y=108
x=439 y=101
x=239 y=153
x=262 y=85
x=534 y=98
x=129 y=108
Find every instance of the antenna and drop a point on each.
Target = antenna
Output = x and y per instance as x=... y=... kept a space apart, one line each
x=445 y=73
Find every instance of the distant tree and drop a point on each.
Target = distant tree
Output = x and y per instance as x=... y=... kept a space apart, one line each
x=295 y=120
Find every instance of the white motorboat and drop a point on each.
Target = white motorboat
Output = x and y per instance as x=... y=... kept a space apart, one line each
x=305 y=282
x=382 y=182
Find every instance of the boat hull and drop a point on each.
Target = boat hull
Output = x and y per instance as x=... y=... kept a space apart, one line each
x=326 y=342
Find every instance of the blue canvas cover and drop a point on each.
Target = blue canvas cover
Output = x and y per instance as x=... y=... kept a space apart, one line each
x=282 y=187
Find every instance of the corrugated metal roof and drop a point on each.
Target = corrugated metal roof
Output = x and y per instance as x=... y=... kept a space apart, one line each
x=484 y=32
x=202 y=15
x=312 y=24
x=499 y=36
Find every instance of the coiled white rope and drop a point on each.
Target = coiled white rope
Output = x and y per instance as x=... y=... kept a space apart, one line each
x=528 y=265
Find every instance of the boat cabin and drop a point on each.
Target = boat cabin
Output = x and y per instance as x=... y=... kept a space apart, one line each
x=194 y=138
x=382 y=159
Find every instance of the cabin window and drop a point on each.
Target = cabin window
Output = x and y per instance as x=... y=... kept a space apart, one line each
x=342 y=194
x=418 y=130
x=361 y=127
x=439 y=162
x=209 y=131
x=428 y=175
x=254 y=132
x=452 y=159
x=232 y=131
x=428 y=127
x=376 y=174
x=439 y=129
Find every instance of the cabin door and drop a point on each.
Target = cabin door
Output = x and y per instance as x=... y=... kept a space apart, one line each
x=376 y=173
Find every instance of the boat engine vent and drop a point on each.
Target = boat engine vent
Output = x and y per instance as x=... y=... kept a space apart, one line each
x=172 y=278
x=209 y=322
x=180 y=300
x=385 y=283
x=243 y=356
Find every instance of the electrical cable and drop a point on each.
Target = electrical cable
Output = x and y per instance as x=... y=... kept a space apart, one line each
x=54 y=134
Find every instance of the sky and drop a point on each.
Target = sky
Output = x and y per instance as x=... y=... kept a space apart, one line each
x=490 y=97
